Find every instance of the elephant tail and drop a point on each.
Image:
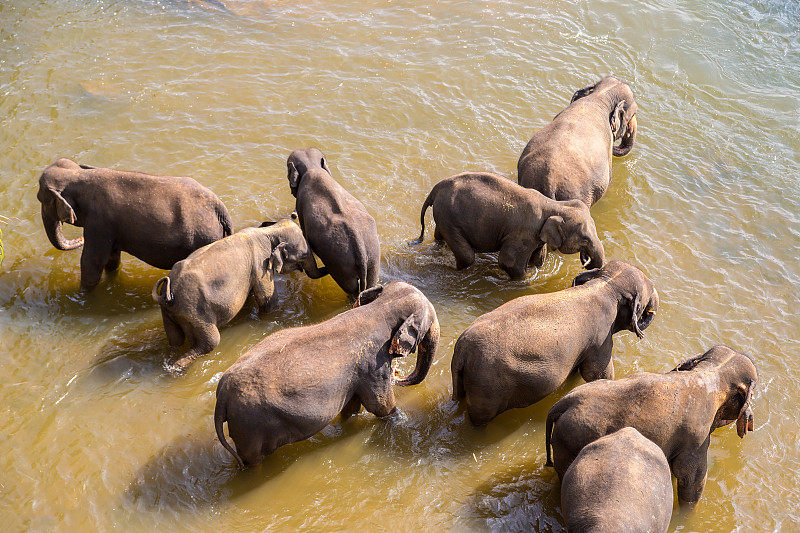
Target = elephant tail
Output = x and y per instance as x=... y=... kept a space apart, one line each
x=552 y=417
x=225 y=219
x=428 y=202
x=457 y=370
x=220 y=416
x=168 y=298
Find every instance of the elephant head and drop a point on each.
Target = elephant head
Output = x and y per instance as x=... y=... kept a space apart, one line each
x=56 y=209
x=638 y=295
x=416 y=325
x=300 y=162
x=617 y=98
x=737 y=374
x=572 y=230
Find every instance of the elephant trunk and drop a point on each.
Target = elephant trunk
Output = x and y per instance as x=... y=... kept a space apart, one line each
x=425 y=353
x=593 y=256
x=52 y=226
x=628 y=139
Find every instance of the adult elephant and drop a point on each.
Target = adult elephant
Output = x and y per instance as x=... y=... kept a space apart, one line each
x=619 y=483
x=208 y=288
x=525 y=349
x=159 y=219
x=294 y=383
x=570 y=158
x=484 y=212
x=337 y=226
x=678 y=411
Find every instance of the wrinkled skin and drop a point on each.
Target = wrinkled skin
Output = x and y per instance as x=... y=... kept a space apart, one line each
x=483 y=212
x=208 y=288
x=338 y=227
x=678 y=411
x=159 y=219
x=570 y=158
x=294 y=383
x=525 y=349
x=619 y=483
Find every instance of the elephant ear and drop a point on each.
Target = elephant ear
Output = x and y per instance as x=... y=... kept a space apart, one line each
x=324 y=164
x=293 y=175
x=409 y=334
x=368 y=296
x=275 y=261
x=584 y=277
x=552 y=233
x=580 y=93
x=63 y=209
x=267 y=223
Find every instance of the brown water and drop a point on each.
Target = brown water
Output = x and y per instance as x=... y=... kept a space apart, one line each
x=399 y=95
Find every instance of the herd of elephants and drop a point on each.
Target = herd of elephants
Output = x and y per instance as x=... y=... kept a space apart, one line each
x=615 y=443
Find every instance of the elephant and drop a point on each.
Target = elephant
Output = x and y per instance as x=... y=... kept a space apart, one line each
x=619 y=483
x=570 y=158
x=678 y=411
x=159 y=219
x=337 y=226
x=525 y=349
x=484 y=212
x=208 y=288
x=293 y=383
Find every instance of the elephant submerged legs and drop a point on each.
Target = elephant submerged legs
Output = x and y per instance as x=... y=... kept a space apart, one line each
x=203 y=339
x=175 y=333
x=114 y=261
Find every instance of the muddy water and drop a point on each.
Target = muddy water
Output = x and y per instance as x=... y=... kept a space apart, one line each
x=98 y=437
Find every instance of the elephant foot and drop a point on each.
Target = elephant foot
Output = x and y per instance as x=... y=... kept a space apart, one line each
x=179 y=367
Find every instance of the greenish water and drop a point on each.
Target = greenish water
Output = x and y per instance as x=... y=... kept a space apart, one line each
x=398 y=95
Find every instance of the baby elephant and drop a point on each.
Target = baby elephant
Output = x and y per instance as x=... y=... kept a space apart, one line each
x=678 y=411
x=525 y=349
x=620 y=483
x=482 y=212
x=208 y=288
x=293 y=383
x=338 y=227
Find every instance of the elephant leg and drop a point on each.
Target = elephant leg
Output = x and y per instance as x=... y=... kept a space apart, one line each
x=175 y=333
x=204 y=339
x=598 y=365
x=691 y=469
x=437 y=234
x=514 y=260
x=264 y=294
x=93 y=259
x=465 y=255
x=538 y=256
x=113 y=260
x=351 y=408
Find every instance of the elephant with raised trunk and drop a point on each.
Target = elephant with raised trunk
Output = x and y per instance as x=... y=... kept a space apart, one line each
x=619 y=483
x=678 y=411
x=159 y=219
x=294 y=383
x=208 y=288
x=337 y=226
x=483 y=212
x=525 y=349
x=570 y=158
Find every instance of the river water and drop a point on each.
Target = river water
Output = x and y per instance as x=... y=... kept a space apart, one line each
x=398 y=95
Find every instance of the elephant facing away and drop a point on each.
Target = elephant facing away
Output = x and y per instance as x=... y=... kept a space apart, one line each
x=619 y=483
x=337 y=226
x=293 y=383
x=570 y=158
x=483 y=212
x=208 y=288
x=678 y=411
x=159 y=219
x=525 y=349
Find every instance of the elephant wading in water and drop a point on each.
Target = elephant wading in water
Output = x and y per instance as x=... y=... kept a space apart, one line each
x=570 y=158
x=293 y=383
x=208 y=288
x=678 y=411
x=619 y=483
x=525 y=349
x=483 y=212
x=338 y=227
x=159 y=219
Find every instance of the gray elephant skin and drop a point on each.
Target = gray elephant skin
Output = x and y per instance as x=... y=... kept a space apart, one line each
x=570 y=158
x=678 y=411
x=159 y=219
x=483 y=212
x=525 y=349
x=294 y=383
x=619 y=483
x=337 y=226
x=208 y=288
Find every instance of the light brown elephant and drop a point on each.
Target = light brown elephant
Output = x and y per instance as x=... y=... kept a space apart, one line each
x=678 y=411
x=525 y=349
